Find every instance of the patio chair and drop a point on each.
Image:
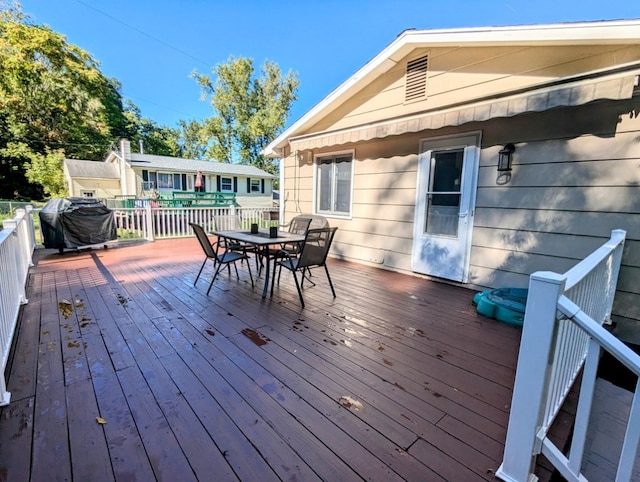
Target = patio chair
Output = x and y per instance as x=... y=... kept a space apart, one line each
x=298 y=225
x=221 y=255
x=232 y=223
x=313 y=254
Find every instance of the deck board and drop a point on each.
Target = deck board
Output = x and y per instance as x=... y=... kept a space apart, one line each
x=397 y=378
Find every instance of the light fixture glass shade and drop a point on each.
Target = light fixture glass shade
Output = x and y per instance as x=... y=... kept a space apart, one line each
x=505 y=157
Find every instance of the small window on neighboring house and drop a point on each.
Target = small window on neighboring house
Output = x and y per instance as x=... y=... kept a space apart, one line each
x=165 y=180
x=255 y=185
x=416 y=81
x=88 y=194
x=177 y=182
x=226 y=184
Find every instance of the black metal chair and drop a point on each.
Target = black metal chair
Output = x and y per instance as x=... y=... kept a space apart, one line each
x=232 y=222
x=220 y=255
x=298 y=225
x=313 y=254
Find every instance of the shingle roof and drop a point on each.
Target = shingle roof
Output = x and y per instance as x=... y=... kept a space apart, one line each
x=91 y=169
x=147 y=161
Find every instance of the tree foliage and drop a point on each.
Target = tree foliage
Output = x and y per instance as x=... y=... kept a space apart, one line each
x=156 y=139
x=53 y=98
x=249 y=110
x=56 y=103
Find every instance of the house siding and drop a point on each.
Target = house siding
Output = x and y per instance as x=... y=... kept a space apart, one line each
x=576 y=176
x=459 y=75
x=103 y=188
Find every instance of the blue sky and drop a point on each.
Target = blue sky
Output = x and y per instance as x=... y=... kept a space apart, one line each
x=152 y=46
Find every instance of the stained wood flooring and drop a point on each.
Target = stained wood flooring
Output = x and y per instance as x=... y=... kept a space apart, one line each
x=123 y=370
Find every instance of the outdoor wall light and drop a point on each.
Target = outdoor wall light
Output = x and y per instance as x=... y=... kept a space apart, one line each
x=505 y=157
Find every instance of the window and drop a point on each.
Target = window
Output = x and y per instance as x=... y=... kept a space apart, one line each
x=177 y=183
x=165 y=181
x=88 y=193
x=255 y=185
x=334 y=180
x=226 y=184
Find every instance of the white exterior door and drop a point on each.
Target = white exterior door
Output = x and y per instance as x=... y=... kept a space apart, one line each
x=445 y=201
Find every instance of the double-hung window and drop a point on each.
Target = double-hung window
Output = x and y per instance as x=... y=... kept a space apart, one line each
x=165 y=180
x=255 y=185
x=334 y=183
x=226 y=184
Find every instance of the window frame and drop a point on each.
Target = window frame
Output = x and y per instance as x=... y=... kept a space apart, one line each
x=255 y=186
x=317 y=158
x=169 y=177
x=222 y=183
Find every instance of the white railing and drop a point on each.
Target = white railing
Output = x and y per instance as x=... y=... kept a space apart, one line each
x=17 y=241
x=563 y=328
x=149 y=223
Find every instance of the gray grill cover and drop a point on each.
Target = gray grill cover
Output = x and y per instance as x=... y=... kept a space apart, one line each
x=76 y=222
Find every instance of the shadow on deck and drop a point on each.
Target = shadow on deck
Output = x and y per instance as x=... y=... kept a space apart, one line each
x=123 y=370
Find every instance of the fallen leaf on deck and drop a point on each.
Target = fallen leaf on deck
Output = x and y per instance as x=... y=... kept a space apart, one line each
x=101 y=420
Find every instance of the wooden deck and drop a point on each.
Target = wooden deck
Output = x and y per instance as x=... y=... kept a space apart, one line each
x=123 y=370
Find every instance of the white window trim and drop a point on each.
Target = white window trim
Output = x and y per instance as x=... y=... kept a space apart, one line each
x=169 y=174
x=351 y=152
x=222 y=189
x=258 y=182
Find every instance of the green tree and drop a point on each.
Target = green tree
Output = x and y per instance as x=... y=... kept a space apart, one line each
x=54 y=101
x=160 y=140
x=249 y=110
x=192 y=139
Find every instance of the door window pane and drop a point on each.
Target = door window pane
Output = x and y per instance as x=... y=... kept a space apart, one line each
x=443 y=197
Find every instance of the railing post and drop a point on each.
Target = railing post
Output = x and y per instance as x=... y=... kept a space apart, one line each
x=530 y=387
x=5 y=396
x=617 y=236
x=148 y=214
x=32 y=229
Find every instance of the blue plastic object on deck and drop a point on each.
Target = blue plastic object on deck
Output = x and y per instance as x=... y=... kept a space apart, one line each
x=503 y=304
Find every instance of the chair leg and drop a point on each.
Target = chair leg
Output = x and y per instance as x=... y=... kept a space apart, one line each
x=306 y=273
x=215 y=275
x=199 y=272
x=295 y=278
x=326 y=270
x=250 y=275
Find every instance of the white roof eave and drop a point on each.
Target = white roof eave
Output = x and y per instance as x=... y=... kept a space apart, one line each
x=603 y=32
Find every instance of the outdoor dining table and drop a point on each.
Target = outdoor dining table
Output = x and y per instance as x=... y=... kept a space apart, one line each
x=261 y=240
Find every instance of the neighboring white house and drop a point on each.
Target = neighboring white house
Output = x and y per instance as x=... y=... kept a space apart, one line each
x=124 y=173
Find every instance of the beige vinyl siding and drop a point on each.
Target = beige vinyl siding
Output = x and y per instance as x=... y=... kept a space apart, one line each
x=464 y=74
x=566 y=194
x=576 y=176
x=103 y=188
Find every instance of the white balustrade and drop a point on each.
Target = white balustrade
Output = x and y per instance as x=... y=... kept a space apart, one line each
x=563 y=335
x=17 y=241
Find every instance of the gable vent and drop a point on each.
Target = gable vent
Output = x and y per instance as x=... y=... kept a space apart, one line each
x=416 y=87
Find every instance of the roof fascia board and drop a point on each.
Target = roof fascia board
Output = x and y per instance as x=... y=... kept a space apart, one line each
x=605 y=32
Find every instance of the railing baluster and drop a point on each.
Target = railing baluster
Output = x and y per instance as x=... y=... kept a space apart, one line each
x=583 y=304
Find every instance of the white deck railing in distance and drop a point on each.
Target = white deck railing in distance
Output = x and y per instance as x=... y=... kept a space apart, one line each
x=149 y=223
x=553 y=350
x=17 y=241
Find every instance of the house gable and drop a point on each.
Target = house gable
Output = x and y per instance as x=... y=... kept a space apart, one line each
x=462 y=75
x=465 y=65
